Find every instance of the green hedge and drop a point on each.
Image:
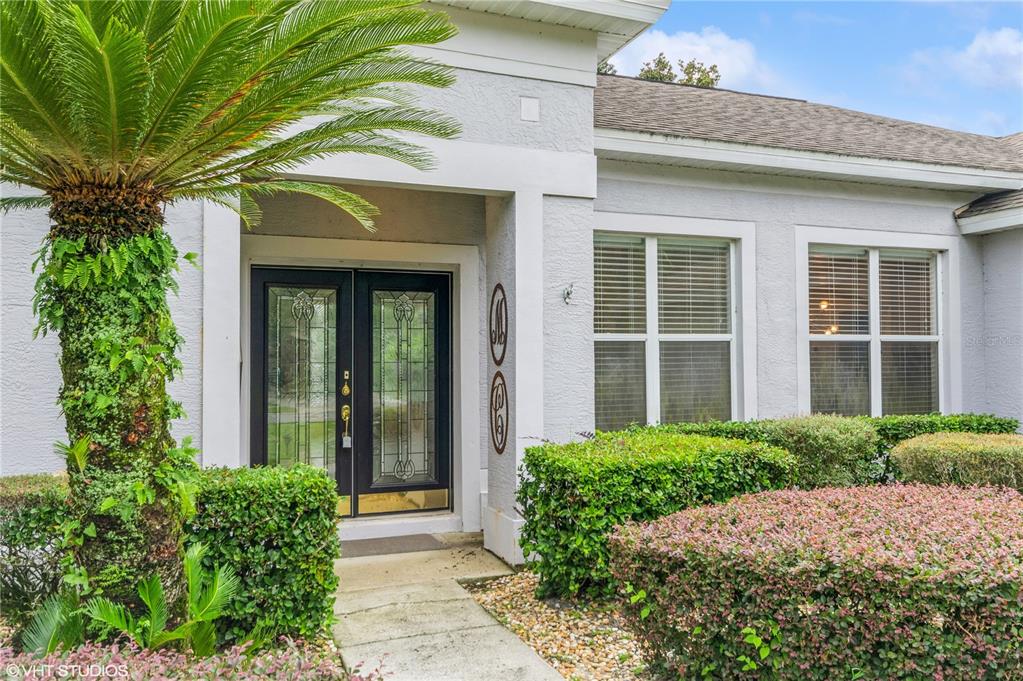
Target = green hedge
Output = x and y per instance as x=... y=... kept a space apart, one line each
x=808 y=439
x=572 y=495
x=962 y=459
x=31 y=510
x=276 y=527
x=830 y=450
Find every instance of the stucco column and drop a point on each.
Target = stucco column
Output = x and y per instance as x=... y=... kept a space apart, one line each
x=221 y=338
x=515 y=261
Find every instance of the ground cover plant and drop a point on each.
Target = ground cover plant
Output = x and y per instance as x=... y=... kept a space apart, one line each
x=961 y=459
x=290 y=660
x=572 y=495
x=900 y=581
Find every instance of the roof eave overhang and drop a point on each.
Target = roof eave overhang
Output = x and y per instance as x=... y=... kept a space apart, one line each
x=995 y=221
x=629 y=145
x=616 y=22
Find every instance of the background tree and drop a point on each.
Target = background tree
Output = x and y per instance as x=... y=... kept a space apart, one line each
x=691 y=72
x=606 y=68
x=695 y=73
x=113 y=110
x=659 y=69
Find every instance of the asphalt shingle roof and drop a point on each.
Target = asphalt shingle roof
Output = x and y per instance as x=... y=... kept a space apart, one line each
x=992 y=203
x=624 y=103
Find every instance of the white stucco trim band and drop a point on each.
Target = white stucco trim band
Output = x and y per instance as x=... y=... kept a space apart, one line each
x=744 y=285
x=468 y=166
x=948 y=307
x=464 y=263
x=748 y=158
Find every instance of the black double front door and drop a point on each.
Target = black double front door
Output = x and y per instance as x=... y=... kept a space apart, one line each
x=351 y=372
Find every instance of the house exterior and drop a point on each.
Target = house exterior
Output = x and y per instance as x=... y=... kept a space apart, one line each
x=591 y=252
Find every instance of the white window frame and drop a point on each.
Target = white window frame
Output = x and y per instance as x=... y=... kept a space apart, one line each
x=947 y=309
x=742 y=299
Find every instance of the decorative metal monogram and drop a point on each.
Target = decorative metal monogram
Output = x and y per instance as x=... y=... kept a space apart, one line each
x=500 y=413
x=497 y=324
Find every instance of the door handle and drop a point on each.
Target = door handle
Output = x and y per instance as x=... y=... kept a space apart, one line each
x=346 y=439
x=346 y=414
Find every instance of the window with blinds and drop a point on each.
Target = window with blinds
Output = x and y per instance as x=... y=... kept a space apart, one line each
x=665 y=354
x=692 y=286
x=899 y=349
x=909 y=365
x=619 y=284
x=839 y=292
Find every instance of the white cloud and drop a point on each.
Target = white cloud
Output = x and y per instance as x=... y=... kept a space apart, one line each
x=994 y=59
x=736 y=58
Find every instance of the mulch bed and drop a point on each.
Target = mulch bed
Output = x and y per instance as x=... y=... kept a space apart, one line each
x=582 y=640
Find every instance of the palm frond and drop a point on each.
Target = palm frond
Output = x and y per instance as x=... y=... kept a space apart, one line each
x=209 y=41
x=9 y=203
x=105 y=78
x=223 y=586
x=202 y=639
x=197 y=98
x=151 y=592
x=114 y=616
x=28 y=76
x=359 y=208
x=42 y=635
x=194 y=576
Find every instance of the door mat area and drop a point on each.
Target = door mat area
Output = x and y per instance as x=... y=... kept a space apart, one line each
x=356 y=548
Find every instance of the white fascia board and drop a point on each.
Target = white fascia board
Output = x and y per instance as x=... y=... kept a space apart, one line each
x=997 y=221
x=661 y=148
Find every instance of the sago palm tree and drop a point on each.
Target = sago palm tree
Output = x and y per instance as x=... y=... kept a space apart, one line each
x=115 y=109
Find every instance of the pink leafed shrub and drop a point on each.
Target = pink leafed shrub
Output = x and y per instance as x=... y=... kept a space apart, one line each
x=291 y=661
x=897 y=582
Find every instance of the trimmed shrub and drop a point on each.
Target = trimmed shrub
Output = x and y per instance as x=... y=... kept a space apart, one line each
x=292 y=660
x=961 y=459
x=278 y=528
x=830 y=450
x=572 y=495
x=894 y=429
x=31 y=510
x=893 y=582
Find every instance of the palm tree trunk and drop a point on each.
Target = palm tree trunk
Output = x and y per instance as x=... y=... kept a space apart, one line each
x=107 y=267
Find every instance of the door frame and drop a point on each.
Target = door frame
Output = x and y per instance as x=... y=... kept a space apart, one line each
x=468 y=478
x=354 y=364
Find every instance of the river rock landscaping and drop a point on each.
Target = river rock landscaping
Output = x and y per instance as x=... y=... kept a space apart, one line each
x=582 y=640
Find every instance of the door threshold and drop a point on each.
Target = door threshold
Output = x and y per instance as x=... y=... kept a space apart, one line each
x=377 y=527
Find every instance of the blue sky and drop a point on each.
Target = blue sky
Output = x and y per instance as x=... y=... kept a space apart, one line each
x=954 y=64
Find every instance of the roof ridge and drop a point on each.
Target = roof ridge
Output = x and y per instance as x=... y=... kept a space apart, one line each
x=702 y=87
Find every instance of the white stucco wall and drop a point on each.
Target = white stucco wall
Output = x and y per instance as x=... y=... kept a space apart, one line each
x=30 y=421
x=1002 y=342
x=568 y=326
x=489 y=109
x=777 y=205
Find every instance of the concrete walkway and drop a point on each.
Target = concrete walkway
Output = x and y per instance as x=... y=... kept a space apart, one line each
x=407 y=613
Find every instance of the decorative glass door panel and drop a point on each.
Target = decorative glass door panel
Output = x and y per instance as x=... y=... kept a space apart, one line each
x=302 y=369
x=405 y=402
x=351 y=374
x=404 y=395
